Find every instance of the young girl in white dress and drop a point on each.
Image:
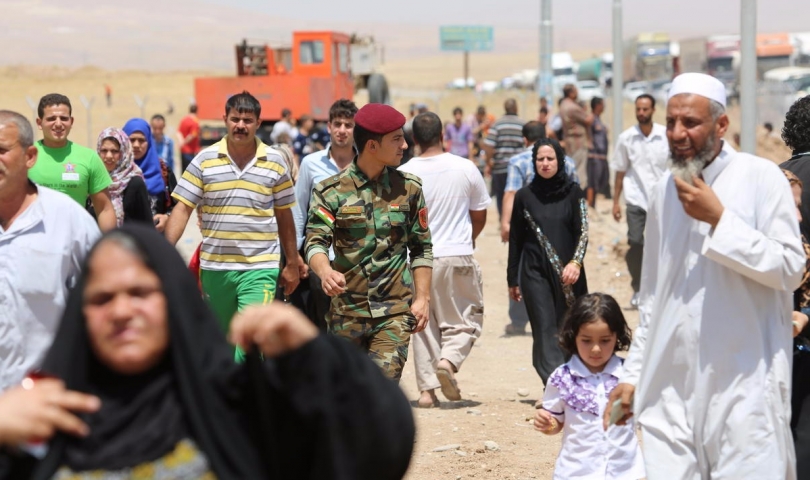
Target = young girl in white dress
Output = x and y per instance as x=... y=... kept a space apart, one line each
x=577 y=393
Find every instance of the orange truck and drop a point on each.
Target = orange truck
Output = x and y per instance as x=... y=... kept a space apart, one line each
x=307 y=77
x=774 y=50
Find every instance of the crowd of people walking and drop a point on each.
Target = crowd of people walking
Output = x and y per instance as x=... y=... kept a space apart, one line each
x=116 y=360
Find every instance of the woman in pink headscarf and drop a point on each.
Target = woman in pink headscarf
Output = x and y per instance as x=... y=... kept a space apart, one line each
x=128 y=192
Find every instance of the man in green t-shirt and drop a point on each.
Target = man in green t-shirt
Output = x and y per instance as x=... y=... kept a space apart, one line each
x=69 y=168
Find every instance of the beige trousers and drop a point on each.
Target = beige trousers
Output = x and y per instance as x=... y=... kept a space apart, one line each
x=456 y=317
x=580 y=157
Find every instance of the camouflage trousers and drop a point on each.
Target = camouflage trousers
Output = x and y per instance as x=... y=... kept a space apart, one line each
x=385 y=339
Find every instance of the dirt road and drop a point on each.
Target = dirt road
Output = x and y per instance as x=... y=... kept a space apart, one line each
x=492 y=410
x=498 y=367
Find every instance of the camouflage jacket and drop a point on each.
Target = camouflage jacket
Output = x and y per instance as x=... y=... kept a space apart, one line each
x=373 y=225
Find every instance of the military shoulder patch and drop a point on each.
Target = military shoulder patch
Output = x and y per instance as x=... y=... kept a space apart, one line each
x=423 y=217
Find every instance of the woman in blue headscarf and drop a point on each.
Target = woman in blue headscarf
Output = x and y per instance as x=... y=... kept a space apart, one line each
x=160 y=180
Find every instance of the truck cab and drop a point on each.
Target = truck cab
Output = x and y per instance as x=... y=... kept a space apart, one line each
x=305 y=77
x=773 y=51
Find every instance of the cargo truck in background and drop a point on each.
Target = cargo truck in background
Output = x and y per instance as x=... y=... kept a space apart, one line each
x=563 y=68
x=647 y=58
x=774 y=50
x=591 y=78
x=716 y=55
x=607 y=70
x=562 y=63
x=306 y=77
x=599 y=69
x=801 y=44
x=591 y=69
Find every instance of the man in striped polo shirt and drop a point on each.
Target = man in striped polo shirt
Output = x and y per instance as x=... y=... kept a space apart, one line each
x=245 y=192
x=505 y=140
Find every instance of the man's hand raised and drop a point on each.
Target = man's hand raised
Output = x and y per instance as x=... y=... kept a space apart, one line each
x=699 y=201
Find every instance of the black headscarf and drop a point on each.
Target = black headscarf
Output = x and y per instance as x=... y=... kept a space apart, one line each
x=195 y=392
x=557 y=187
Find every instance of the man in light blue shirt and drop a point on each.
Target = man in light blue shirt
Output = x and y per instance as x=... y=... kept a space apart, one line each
x=163 y=144
x=315 y=168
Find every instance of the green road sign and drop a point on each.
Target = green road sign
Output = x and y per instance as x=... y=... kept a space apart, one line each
x=466 y=38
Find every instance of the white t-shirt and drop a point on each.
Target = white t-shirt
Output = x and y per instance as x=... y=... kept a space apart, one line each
x=282 y=126
x=644 y=159
x=452 y=186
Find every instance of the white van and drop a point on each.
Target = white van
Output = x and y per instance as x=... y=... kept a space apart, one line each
x=784 y=74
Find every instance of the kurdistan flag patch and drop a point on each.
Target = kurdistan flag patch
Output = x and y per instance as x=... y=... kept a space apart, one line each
x=327 y=217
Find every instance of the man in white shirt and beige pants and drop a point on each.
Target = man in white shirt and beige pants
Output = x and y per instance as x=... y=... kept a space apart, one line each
x=457 y=199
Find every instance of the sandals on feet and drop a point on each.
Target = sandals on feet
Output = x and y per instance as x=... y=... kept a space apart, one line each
x=449 y=385
x=432 y=404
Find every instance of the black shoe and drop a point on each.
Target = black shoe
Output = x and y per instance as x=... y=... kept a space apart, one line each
x=511 y=330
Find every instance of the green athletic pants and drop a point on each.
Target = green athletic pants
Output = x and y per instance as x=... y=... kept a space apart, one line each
x=230 y=291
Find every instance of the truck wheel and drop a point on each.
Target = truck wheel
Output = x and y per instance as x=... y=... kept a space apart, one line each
x=378 y=89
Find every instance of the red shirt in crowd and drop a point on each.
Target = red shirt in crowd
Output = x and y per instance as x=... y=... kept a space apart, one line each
x=190 y=125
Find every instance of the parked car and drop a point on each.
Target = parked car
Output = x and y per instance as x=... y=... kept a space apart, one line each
x=801 y=85
x=588 y=89
x=508 y=82
x=785 y=74
x=459 y=84
x=633 y=89
x=660 y=90
x=488 y=86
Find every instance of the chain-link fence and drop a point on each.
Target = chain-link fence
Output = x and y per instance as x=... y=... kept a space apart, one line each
x=774 y=99
x=444 y=101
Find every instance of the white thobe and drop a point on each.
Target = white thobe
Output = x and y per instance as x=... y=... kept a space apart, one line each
x=711 y=358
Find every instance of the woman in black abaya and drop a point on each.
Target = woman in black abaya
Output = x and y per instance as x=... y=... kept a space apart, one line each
x=547 y=242
x=137 y=334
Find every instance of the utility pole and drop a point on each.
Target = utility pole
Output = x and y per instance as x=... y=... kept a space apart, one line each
x=545 y=73
x=617 y=82
x=141 y=102
x=748 y=76
x=467 y=69
x=88 y=105
x=34 y=105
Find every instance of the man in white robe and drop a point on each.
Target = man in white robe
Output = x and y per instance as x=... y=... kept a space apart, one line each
x=708 y=373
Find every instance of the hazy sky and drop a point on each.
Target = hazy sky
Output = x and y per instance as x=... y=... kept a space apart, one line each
x=681 y=17
x=200 y=34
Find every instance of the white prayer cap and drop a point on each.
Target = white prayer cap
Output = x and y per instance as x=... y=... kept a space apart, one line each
x=699 y=84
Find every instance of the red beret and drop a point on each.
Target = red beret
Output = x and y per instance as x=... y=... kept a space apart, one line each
x=379 y=118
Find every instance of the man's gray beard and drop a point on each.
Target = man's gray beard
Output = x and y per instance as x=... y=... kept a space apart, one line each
x=685 y=168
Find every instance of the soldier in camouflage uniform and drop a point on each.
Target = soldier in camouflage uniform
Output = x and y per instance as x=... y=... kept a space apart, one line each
x=374 y=215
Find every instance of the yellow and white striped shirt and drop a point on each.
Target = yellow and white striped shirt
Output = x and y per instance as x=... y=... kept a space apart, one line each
x=240 y=231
